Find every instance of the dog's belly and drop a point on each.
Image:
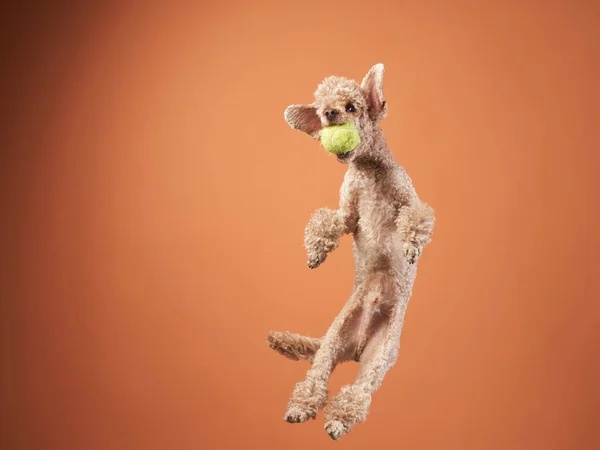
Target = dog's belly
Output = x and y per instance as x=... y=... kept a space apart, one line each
x=376 y=238
x=379 y=252
x=368 y=326
x=381 y=264
x=377 y=303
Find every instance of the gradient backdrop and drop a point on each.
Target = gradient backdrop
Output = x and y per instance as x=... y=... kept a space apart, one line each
x=155 y=202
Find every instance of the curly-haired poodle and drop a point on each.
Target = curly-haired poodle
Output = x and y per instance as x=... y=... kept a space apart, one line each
x=390 y=226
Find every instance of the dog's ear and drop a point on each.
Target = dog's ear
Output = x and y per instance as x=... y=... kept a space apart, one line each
x=304 y=118
x=372 y=86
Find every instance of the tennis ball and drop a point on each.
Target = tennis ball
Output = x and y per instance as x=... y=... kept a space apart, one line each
x=340 y=139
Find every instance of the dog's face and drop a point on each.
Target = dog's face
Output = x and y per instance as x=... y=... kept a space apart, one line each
x=339 y=100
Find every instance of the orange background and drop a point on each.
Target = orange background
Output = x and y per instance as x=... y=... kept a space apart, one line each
x=156 y=202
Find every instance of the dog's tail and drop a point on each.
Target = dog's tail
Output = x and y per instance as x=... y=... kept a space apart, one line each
x=293 y=346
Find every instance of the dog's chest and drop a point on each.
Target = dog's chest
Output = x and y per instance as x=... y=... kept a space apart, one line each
x=375 y=206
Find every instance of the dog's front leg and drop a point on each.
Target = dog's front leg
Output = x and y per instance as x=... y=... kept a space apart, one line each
x=415 y=226
x=321 y=235
x=326 y=226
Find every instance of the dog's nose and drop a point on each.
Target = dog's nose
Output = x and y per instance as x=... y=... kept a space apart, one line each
x=331 y=113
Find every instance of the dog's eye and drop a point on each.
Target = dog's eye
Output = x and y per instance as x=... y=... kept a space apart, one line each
x=350 y=108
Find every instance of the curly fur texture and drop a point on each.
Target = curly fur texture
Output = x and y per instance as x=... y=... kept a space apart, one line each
x=321 y=235
x=293 y=346
x=390 y=226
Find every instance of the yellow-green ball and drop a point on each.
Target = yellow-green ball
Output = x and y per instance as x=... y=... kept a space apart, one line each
x=340 y=139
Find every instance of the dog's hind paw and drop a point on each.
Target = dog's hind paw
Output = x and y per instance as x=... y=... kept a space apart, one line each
x=335 y=429
x=295 y=414
x=308 y=397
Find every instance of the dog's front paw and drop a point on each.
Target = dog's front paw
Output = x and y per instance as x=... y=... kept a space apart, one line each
x=412 y=253
x=316 y=258
x=317 y=252
x=317 y=247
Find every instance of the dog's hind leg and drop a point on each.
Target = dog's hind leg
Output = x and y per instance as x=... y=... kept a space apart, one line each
x=310 y=394
x=351 y=405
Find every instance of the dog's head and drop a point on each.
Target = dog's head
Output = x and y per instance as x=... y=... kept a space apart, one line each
x=339 y=100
